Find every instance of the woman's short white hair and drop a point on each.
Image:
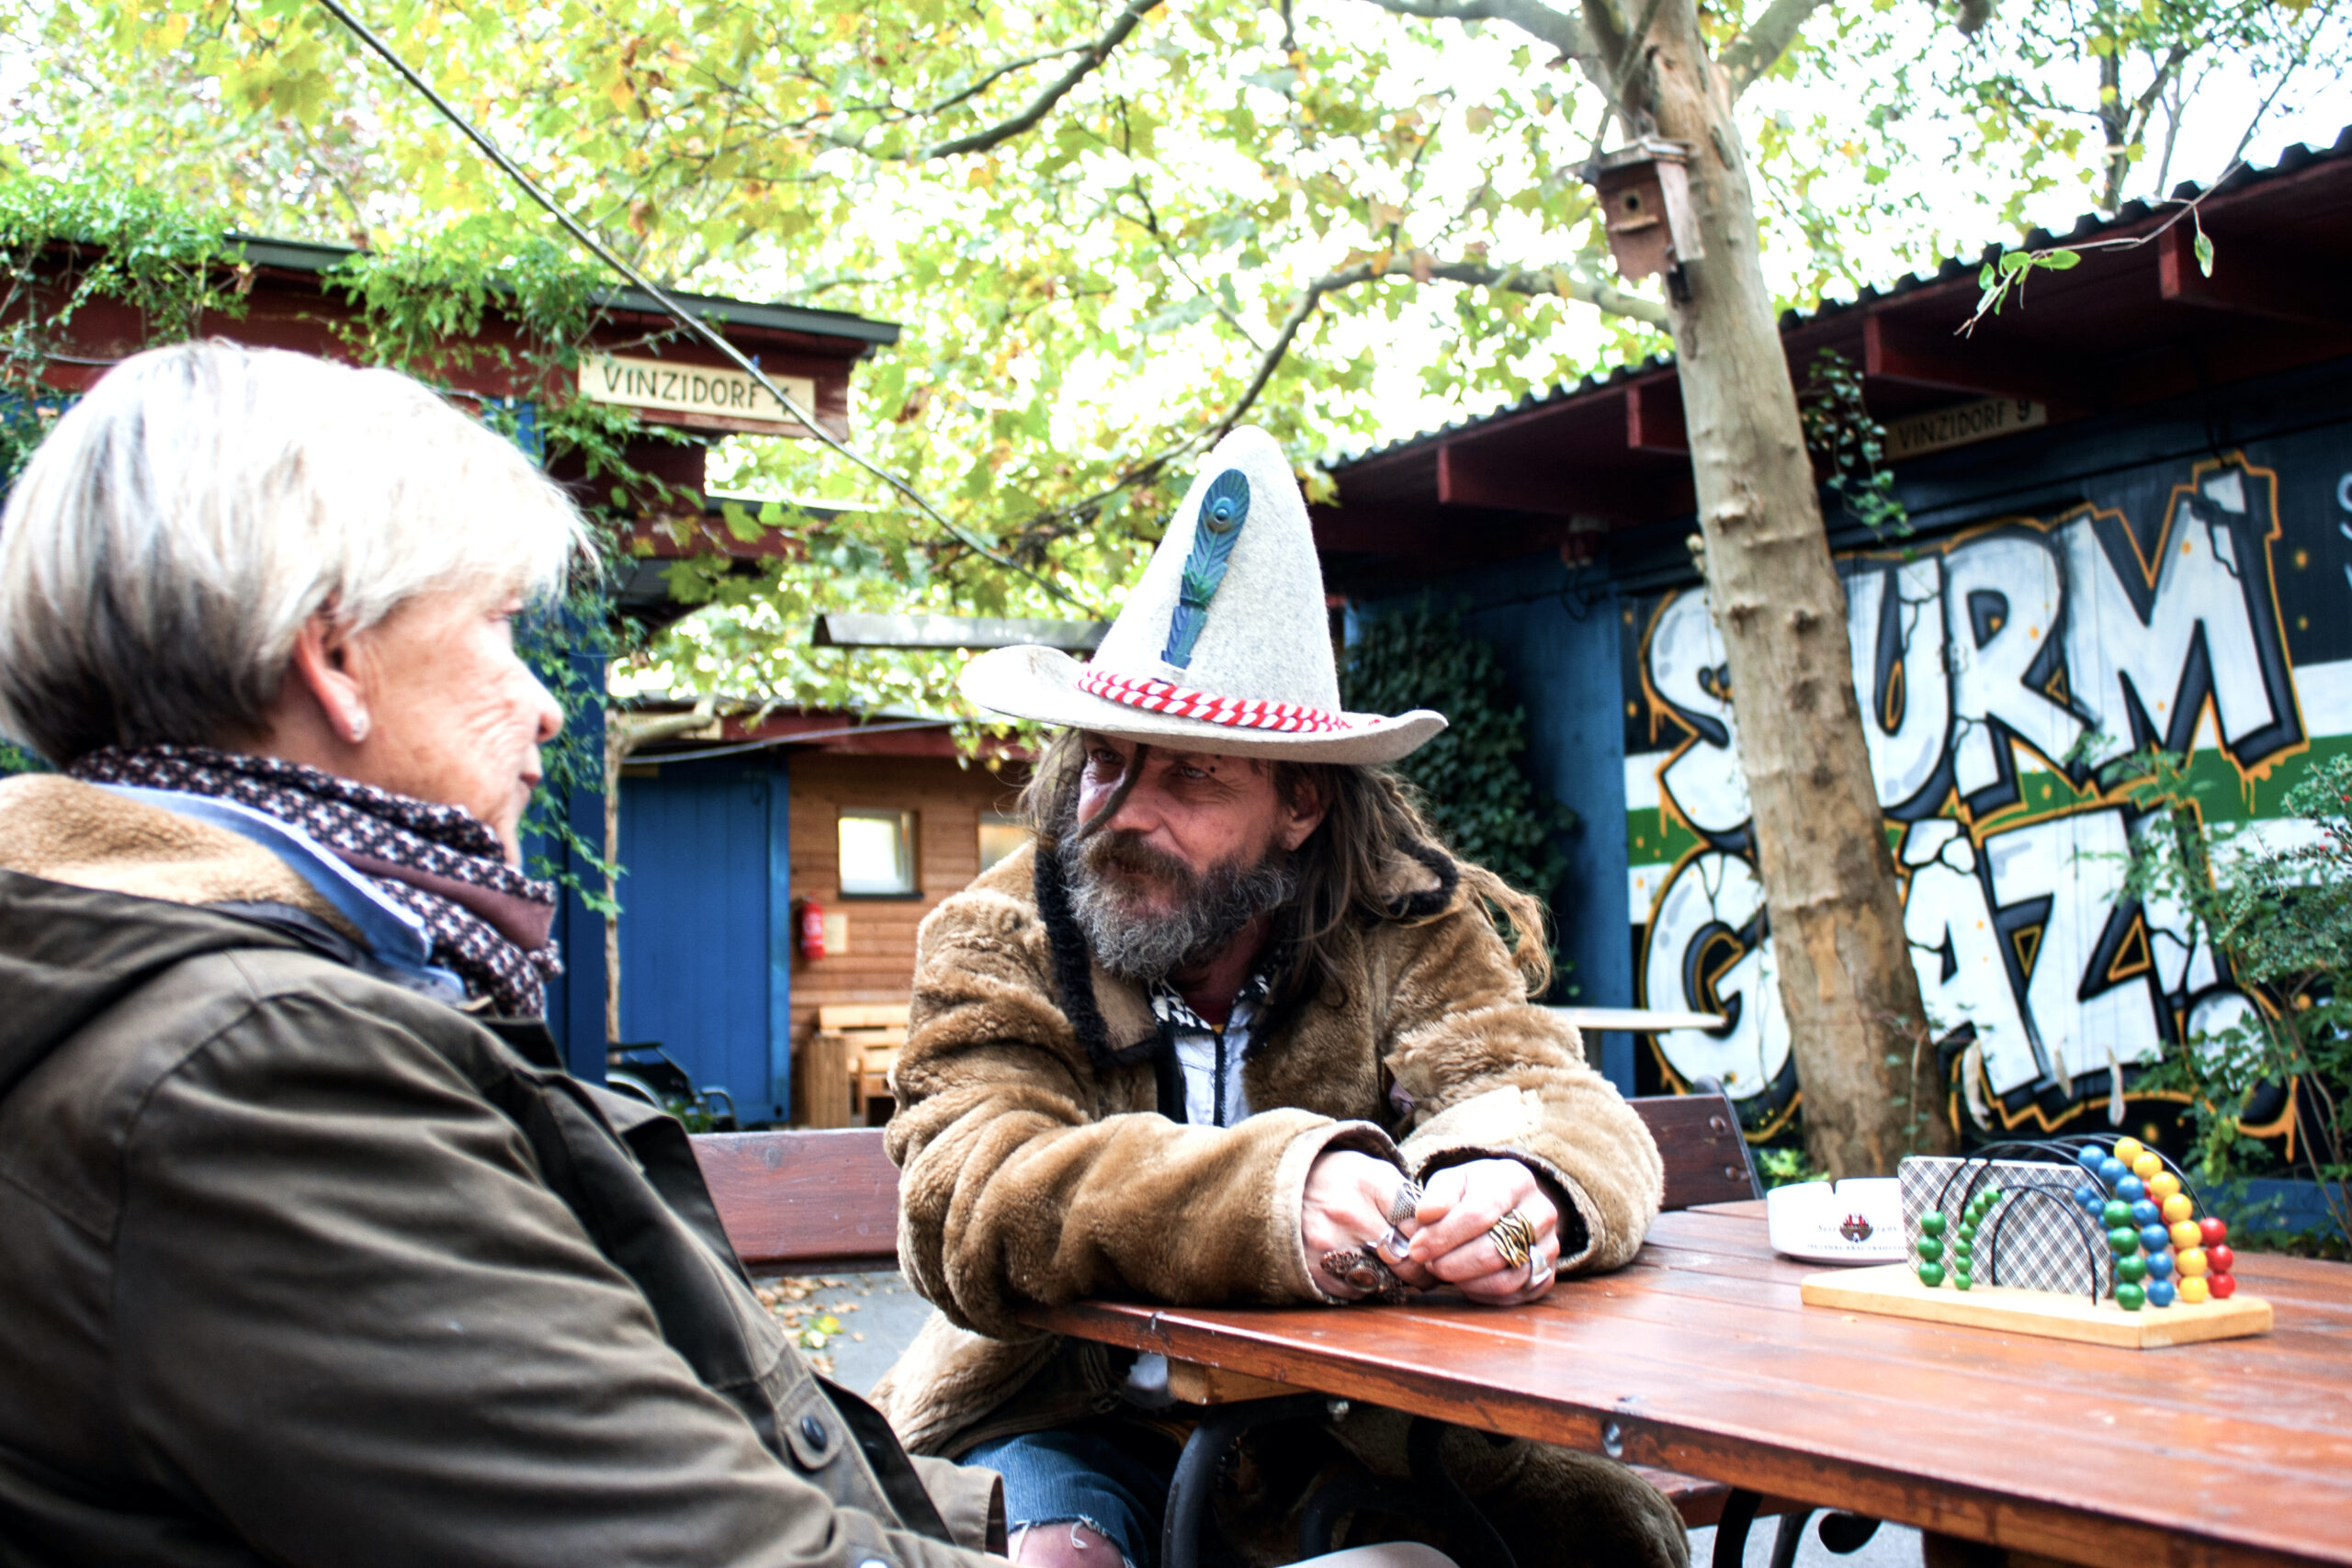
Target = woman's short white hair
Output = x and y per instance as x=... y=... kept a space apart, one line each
x=167 y=541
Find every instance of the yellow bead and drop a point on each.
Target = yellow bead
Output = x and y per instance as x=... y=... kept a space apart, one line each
x=2176 y=1207
x=2129 y=1149
x=2184 y=1233
x=2192 y=1263
x=2193 y=1290
x=2164 y=1185
x=2147 y=1166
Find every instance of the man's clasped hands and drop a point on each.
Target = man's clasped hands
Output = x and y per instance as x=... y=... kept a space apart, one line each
x=1485 y=1227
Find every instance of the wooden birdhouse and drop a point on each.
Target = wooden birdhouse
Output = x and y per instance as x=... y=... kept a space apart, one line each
x=1645 y=200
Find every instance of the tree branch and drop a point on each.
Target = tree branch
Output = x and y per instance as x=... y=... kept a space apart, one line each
x=1759 y=48
x=1562 y=31
x=1558 y=283
x=1090 y=57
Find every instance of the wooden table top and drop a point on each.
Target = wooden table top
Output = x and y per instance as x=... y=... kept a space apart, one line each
x=1700 y=1357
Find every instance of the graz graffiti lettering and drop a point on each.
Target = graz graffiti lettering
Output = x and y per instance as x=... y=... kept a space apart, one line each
x=1995 y=670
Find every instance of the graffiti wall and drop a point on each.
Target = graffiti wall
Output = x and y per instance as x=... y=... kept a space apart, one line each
x=2205 y=606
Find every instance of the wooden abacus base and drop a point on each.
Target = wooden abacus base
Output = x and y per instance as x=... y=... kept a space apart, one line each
x=1892 y=1289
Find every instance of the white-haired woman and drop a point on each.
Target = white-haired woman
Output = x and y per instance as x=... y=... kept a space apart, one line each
x=310 y=1252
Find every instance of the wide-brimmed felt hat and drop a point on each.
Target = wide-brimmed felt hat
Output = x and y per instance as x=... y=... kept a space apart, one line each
x=1223 y=647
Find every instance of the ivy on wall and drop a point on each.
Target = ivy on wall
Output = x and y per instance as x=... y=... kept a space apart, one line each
x=1472 y=778
x=420 y=308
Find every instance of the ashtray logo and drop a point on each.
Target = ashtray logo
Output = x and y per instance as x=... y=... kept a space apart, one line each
x=1855 y=1228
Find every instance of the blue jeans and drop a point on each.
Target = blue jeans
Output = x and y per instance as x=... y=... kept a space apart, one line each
x=1078 y=1474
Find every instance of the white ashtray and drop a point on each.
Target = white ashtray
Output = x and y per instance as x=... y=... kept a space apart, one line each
x=1859 y=1220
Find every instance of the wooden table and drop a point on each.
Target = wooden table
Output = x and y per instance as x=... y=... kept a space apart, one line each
x=1699 y=1357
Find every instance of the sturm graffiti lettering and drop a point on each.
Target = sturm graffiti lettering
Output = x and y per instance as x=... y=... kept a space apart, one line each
x=1996 y=672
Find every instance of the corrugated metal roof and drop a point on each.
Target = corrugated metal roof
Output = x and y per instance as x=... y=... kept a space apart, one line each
x=2089 y=226
x=303 y=255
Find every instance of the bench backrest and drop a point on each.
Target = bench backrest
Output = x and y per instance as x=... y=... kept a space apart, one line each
x=819 y=1202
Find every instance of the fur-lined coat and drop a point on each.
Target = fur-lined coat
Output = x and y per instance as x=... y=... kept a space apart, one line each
x=1037 y=1167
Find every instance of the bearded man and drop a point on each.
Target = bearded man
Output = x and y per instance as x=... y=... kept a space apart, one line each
x=1237 y=1029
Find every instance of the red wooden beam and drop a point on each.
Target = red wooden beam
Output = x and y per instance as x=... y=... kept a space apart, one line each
x=2249 y=280
x=1653 y=417
x=1912 y=356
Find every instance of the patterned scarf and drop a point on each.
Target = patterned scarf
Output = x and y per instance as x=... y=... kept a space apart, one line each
x=489 y=922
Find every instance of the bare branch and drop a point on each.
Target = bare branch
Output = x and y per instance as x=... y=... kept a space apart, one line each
x=1757 y=50
x=1090 y=57
x=1558 y=283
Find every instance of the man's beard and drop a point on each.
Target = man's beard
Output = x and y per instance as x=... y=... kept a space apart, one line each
x=1210 y=907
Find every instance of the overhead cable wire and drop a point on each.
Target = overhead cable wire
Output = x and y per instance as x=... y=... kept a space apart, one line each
x=684 y=318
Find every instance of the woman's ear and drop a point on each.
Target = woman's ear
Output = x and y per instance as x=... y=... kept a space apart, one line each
x=323 y=662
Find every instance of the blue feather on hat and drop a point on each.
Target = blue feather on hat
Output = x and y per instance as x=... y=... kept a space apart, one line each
x=1223 y=511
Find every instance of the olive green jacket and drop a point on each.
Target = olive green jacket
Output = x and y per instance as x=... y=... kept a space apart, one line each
x=301 y=1266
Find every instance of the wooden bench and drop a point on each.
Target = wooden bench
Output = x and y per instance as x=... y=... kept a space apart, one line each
x=846 y=1064
x=815 y=1202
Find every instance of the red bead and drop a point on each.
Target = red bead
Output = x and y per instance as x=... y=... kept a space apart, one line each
x=2219 y=1257
x=2211 y=1231
x=2223 y=1286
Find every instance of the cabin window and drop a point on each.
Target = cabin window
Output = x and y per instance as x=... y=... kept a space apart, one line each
x=877 y=853
x=999 y=837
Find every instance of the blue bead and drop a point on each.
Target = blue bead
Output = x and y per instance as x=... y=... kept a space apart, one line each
x=2144 y=1213
x=2090 y=1157
x=2159 y=1265
x=2091 y=1198
x=2160 y=1291
x=2129 y=1187
x=2112 y=1170
x=2155 y=1238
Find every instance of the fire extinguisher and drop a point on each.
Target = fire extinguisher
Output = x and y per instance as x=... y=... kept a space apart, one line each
x=812 y=930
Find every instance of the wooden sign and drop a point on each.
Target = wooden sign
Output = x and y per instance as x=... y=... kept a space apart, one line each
x=1893 y=1289
x=697 y=395
x=1960 y=425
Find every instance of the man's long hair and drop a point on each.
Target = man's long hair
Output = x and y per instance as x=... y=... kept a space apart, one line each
x=1372 y=821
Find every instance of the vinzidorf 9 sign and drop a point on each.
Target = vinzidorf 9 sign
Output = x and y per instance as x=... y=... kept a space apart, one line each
x=705 y=395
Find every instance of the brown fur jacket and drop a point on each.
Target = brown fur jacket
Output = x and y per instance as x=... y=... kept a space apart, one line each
x=1036 y=1168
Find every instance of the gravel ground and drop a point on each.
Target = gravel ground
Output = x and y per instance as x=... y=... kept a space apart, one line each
x=851 y=1325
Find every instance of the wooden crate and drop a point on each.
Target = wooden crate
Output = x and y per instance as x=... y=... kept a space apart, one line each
x=870 y=1034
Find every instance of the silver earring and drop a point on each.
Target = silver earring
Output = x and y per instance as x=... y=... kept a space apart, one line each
x=358 y=729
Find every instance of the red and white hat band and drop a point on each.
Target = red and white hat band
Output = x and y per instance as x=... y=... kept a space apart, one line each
x=1184 y=702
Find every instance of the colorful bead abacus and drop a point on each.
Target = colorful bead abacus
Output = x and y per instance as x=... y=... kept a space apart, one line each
x=1963 y=1244
x=2163 y=1253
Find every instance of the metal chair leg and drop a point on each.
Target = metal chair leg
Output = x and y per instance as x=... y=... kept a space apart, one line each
x=1731 y=1530
x=1190 y=1489
x=1359 y=1491
x=1847 y=1533
x=1789 y=1537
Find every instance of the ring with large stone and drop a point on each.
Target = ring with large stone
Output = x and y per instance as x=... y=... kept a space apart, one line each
x=1514 y=1238
x=1407 y=1203
x=1360 y=1267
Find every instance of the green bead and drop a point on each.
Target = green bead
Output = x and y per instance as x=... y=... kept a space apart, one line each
x=1960 y=1280
x=1931 y=1250
x=2123 y=1240
x=1931 y=1274
x=2131 y=1270
x=1968 y=1233
x=1932 y=1223
x=1963 y=1251
x=2131 y=1298
x=2115 y=1213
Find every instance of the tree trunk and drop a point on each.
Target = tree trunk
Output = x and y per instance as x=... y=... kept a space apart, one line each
x=1867 y=1070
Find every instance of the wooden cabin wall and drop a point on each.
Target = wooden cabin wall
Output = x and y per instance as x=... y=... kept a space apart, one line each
x=948 y=802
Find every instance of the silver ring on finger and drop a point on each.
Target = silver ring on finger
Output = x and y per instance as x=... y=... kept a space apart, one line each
x=1394 y=1245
